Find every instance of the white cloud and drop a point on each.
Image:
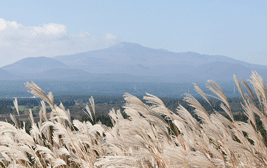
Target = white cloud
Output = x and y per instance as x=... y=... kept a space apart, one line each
x=18 y=41
x=110 y=37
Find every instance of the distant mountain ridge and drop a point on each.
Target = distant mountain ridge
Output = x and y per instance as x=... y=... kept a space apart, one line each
x=33 y=65
x=131 y=53
x=59 y=74
x=133 y=62
x=4 y=75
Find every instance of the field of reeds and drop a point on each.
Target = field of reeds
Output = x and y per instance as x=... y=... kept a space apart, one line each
x=151 y=135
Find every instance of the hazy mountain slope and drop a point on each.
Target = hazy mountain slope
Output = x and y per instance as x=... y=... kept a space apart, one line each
x=220 y=71
x=33 y=65
x=131 y=53
x=4 y=75
x=128 y=62
x=80 y=75
x=138 y=60
x=59 y=73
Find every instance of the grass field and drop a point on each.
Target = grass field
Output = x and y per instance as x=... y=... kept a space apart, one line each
x=151 y=136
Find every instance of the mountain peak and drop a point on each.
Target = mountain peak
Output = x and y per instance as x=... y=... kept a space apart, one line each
x=126 y=45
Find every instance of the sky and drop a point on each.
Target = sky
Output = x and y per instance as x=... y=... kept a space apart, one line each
x=237 y=29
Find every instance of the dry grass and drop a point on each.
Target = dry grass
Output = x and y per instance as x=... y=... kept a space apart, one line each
x=152 y=135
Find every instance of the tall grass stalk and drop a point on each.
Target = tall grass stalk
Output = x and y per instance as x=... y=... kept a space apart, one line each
x=151 y=135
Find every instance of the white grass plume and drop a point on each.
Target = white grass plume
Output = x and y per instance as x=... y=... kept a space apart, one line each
x=151 y=136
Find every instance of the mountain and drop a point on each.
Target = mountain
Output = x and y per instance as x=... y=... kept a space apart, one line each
x=67 y=74
x=137 y=60
x=220 y=71
x=33 y=65
x=130 y=62
x=4 y=75
x=59 y=74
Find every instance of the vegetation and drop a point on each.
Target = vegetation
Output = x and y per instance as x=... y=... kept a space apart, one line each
x=4 y=109
x=145 y=134
x=103 y=104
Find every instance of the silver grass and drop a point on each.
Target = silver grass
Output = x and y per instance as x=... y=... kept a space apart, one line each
x=248 y=88
x=31 y=116
x=58 y=162
x=4 y=126
x=216 y=89
x=116 y=162
x=158 y=105
x=136 y=104
x=4 y=157
x=13 y=118
x=196 y=159
x=45 y=125
x=62 y=106
x=35 y=132
x=41 y=117
x=59 y=114
x=250 y=114
x=199 y=109
x=15 y=165
x=56 y=139
x=259 y=89
x=262 y=116
x=92 y=102
x=257 y=82
x=80 y=126
x=15 y=102
x=239 y=86
x=221 y=130
x=227 y=111
x=24 y=138
x=43 y=107
x=63 y=151
x=199 y=91
x=37 y=91
x=88 y=112
x=187 y=118
x=51 y=97
x=96 y=128
x=145 y=138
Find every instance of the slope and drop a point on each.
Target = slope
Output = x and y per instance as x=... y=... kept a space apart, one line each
x=33 y=65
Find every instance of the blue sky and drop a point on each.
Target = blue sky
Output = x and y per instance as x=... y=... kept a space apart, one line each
x=237 y=29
